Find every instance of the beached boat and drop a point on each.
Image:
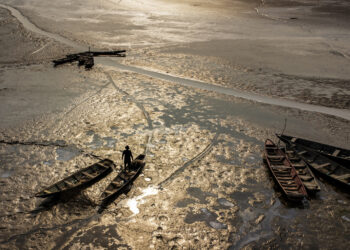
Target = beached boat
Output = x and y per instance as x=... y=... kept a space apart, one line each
x=283 y=172
x=339 y=155
x=324 y=166
x=81 y=179
x=303 y=170
x=124 y=179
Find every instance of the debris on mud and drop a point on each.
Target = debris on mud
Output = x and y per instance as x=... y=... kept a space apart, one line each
x=87 y=58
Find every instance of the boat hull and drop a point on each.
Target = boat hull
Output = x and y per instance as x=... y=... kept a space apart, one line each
x=339 y=155
x=79 y=180
x=284 y=173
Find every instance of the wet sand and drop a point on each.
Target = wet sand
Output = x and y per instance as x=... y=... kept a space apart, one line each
x=204 y=184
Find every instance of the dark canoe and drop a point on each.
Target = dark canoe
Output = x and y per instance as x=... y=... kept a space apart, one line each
x=81 y=179
x=303 y=170
x=330 y=170
x=283 y=172
x=339 y=155
x=124 y=179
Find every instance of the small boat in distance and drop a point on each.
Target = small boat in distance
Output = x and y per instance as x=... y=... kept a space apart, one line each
x=81 y=179
x=304 y=172
x=283 y=172
x=339 y=155
x=124 y=180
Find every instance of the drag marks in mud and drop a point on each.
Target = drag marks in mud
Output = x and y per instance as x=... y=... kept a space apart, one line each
x=141 y=107
x=198 y=157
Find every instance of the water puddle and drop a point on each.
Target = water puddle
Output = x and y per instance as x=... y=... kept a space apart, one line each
x=67 y=153
x=110 y=142
x=225 y=203
x=6 y=173
x=134 y=202
x=207 y=216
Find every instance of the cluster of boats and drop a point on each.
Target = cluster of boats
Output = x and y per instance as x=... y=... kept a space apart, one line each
x=94 y=173
x=294 y=165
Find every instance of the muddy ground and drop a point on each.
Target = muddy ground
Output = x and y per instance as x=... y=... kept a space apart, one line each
x=204 y=185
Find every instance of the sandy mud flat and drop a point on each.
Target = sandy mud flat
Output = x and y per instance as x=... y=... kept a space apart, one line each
x=204 y=185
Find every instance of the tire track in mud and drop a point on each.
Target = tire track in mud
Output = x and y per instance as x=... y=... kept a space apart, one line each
x=198 y=157
x=140 y=106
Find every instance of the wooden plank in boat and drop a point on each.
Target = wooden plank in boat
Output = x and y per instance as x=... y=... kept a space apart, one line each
x=276 y=157
x=342 y=177
x=318 y=166
x=298 y=165
x=109 y=192
x=69 y=184
x=336 y=152
x=88 y=175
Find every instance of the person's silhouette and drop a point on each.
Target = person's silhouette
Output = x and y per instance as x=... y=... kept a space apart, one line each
x=127 y=156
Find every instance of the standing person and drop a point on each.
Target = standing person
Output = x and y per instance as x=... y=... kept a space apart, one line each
x=127 y=155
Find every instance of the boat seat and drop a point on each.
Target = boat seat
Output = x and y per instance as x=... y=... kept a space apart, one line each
x=306 y=178
x=291 y=188
x=108 y=192
x=302 y=152
x=294 y=139
x=282 y=171
x=298 y=165
x=280 y=166
x=69 y=184
x=88 y=175
x=284 y=179
x=318 y=166
x=279 y=157
x=336 y=152
x=341 y=177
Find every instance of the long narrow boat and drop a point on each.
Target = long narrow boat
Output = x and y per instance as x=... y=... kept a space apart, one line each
x=324 y=166
x=283 y=172
x=339 y=155
x=124 y=180
x=81 y=179
x=303 y=170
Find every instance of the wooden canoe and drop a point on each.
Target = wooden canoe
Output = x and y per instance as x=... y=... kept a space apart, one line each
x=283 y=172
x=124 y=179
x=303 y=170
x=322 y=165
x=81 y=179
x=339 y=155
